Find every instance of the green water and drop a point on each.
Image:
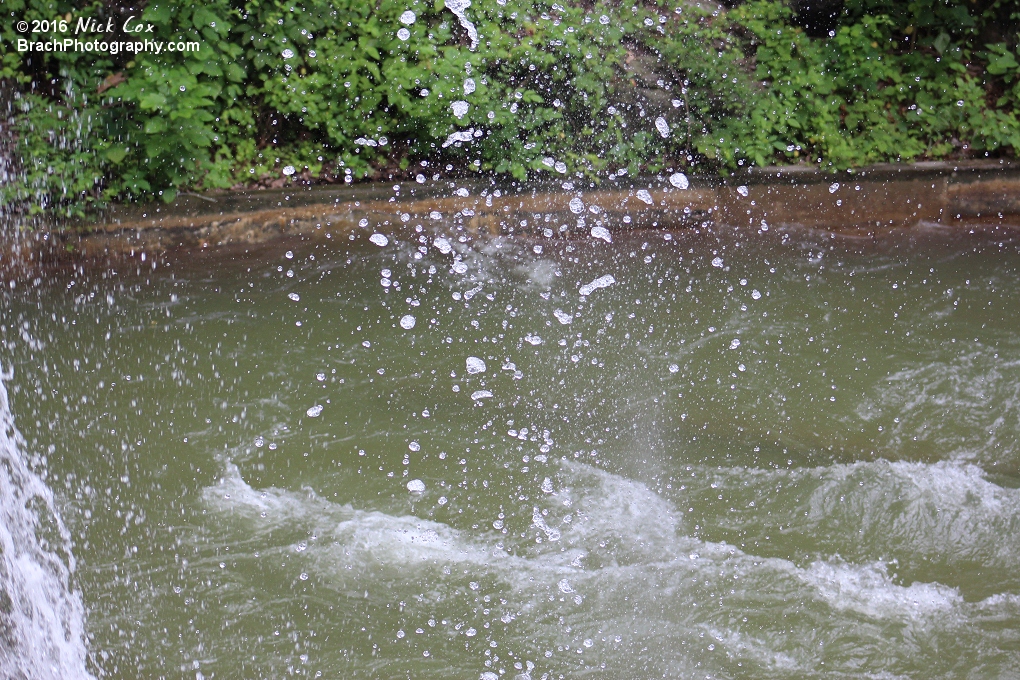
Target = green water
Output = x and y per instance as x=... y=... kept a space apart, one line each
x=799 y=460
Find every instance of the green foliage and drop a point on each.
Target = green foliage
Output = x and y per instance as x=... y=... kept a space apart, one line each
x=343 y=89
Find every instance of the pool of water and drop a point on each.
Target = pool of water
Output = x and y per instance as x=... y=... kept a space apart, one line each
x=708 y=453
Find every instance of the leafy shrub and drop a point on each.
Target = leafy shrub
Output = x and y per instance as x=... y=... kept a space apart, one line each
x=339 y=90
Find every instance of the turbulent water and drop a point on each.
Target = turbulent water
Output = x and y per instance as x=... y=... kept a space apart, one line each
x=41 y=618
x=705 y=454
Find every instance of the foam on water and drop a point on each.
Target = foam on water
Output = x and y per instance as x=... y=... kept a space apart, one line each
x=614 y=560
x=41 y=617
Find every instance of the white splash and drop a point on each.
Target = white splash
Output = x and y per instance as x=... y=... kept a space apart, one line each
x=679 y=180
x=458 y=7
x=41 y=617
x=459 y=136
x=600 y=282
x=662 y=126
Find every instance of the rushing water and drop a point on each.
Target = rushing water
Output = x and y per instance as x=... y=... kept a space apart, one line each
x=702 y=454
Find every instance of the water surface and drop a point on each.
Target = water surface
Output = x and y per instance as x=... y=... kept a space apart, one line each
x=708 y=453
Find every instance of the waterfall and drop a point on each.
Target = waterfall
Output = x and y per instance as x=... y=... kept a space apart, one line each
x=41 y=616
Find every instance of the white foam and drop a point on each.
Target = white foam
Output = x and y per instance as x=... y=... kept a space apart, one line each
x=868 y=589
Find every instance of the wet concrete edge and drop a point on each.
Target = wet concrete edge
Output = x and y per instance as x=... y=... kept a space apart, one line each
x=881 y=197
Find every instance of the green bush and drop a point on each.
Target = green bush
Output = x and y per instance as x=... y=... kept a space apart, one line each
x=340 y=90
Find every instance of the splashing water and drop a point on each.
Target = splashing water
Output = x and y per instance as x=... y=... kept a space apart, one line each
x=458 y=8
x=41 y=617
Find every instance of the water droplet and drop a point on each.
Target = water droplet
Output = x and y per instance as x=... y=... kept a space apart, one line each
x=564 y=586
x=644 y=196
x=601 y=282
x=576 y=206
x=469 y=86
x=756 y=294
x=532 y=339
x=403 y=34
x=481 y=394
x=602 y=233
x=414 y=446
x=475 y=365
x=443 y=245
x=742 y=190
x=563 y=317
x=407 y=322
x=673 y=368
x=288 y=170
x=294 y=296
x=717 y=262
x=834 y=187
x=460 y=108
x=734 y=343
x=408 y=17
x=379 y=239
x=287 y=53
x=416 y=486
x=662 y=126
x=314 y=412
x=679 y=180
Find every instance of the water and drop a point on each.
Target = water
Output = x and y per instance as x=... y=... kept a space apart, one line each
x=701 y=454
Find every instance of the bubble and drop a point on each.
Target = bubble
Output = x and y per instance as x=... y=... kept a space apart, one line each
x=314 y=412
x=407 y=322
x=416 y=486
x=379 y=239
